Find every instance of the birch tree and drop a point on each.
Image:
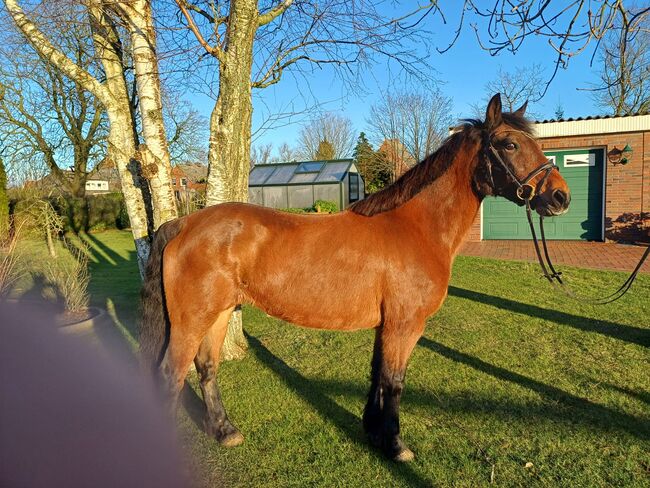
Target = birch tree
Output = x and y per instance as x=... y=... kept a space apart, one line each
x=137 y=17
x=113 y=94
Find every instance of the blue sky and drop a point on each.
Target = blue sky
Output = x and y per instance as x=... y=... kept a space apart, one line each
x=463 y=72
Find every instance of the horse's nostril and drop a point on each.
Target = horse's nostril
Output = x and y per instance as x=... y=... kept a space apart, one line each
x=561 y=199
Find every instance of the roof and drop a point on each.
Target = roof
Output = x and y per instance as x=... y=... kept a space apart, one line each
x=590 y=117
x=299 y=172
x=599 y=124
x=194 y=171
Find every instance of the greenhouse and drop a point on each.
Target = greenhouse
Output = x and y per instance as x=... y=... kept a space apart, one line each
x=300 y=184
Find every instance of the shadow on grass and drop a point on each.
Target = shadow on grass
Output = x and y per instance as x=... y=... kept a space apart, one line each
x=577 y=409
x=347 y=423
x=627 y=333
x=114 y=280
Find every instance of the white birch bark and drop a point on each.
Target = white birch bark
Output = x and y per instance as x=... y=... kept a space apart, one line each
x=113 y=94
x=155 y=154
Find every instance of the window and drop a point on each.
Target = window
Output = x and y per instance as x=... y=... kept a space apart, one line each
x=174 y=181
x=183 y=182
x=310 y=167
x=354 y=187
x=577 y=160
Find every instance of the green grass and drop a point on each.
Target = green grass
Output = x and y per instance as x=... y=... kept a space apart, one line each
x=508 y=373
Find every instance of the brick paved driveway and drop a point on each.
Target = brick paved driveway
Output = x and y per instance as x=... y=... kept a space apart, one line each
x=597 y=255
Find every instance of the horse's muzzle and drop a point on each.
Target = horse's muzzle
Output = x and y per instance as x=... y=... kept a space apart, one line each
x=556 y=204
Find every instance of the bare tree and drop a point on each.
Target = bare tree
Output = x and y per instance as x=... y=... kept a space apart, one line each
x=518 y=86
x=331 y=128
x=570 y=28
x=261 y=153
x=286 y=153
x=45 y=115
x=137 y=17
x=187 y=129
x=624 y=86
x=418 y=121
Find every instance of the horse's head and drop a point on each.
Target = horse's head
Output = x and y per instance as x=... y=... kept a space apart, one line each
x=514 y=165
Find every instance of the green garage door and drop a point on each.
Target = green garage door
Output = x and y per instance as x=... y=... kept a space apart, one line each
x=583 y=171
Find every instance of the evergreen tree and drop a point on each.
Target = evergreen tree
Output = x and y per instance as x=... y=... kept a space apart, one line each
x=4 y=203
x=372 y=165
x=363 y=157
x=325 y=151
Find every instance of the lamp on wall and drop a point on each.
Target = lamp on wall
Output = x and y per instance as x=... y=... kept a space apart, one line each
x=619 y=156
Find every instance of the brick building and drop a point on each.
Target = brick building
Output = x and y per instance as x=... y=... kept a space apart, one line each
x=188 y=179
x=606 y=162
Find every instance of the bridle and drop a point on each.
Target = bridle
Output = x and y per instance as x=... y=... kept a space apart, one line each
x=526 y=192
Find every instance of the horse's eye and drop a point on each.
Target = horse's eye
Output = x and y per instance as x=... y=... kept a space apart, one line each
x=510 y=146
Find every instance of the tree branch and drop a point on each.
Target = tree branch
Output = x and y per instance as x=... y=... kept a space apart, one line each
x=269 y=16
x=53 y=55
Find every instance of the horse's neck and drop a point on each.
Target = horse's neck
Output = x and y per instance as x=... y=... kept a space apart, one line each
x=446 y=209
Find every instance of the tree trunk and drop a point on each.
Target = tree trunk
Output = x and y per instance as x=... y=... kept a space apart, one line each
x=113 y=94
x=121 y=140
x=230 y=134
x=155 y=154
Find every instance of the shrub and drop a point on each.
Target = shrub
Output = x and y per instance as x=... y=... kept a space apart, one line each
x=91 y=213
x=70 y=277
x=324 y=206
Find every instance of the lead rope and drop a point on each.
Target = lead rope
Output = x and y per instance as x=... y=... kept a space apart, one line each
x=554 y=277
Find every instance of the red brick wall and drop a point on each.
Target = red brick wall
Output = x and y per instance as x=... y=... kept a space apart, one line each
x=627 y=187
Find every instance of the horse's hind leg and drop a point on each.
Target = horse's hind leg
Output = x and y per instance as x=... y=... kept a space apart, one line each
x=393 y=347
x=216 y=421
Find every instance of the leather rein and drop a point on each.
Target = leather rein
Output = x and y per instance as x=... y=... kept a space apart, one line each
x=526 y=192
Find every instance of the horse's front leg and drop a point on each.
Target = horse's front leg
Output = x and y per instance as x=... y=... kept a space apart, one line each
x=393 y=347
x=372 y=411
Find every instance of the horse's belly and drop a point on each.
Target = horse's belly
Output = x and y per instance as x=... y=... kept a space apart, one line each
x=344 y=310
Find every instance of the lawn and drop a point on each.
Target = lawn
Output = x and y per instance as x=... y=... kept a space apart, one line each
x=511 y=384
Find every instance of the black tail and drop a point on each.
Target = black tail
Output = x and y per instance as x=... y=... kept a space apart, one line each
x=154 y=324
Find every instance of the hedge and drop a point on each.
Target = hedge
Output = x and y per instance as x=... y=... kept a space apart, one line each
x=91 y=213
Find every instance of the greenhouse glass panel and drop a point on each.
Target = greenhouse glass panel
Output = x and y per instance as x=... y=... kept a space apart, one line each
x=329 y=193
x=310 y=167
x=275 y=196
x=332 y=172
x=259 y=174
x=255 y=196
x=300 y=196
x=281 y=175
x=304 y=177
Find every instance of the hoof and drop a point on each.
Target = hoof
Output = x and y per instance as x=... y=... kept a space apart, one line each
x=405 y=456
x=232 y=440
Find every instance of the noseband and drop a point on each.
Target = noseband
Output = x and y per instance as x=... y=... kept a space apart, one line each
x=526 y=192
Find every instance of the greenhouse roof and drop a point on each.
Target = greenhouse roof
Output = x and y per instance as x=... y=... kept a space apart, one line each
x=299 y=172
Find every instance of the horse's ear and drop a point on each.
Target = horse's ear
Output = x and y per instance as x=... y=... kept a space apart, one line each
x=522 y=110
x=493 y=112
